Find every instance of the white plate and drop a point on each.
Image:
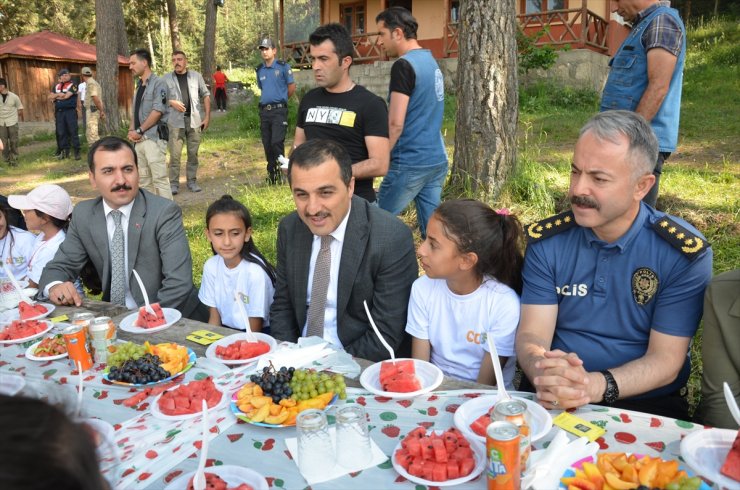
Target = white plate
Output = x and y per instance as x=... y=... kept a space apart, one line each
x=479 y=453
x=233 y=475
x=11 y=384
x=705 y=451
x=49 y=326
x=171 y=316
x=226 y=341
x=32 y=349
x=15 y=314
x=158 y=413
x=539 y=419
x=430 y=377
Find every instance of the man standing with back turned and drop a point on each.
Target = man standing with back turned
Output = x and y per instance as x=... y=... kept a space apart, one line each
x=416 y=96
x=646 y=73
x=275 y=80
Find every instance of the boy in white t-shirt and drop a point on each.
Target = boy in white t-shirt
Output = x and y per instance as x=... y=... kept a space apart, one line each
x=473 y=258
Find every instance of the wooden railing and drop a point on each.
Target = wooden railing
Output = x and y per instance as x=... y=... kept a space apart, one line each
x=580 y=27
x=366 y=48
x=452 y=31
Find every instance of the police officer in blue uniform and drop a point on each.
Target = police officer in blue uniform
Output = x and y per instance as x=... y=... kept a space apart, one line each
x=64 y=97
x=275 y=80
x=613 y=289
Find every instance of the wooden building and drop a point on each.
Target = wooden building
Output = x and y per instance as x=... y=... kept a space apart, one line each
x=579 y=24
x=30 y=65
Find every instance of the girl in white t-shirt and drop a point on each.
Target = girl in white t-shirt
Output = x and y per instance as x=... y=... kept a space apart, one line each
x=47 y=210
x=473 y=259
x=16 y=246
x=236 y=266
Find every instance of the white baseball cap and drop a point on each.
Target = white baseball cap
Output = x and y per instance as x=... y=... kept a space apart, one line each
x=47 y=198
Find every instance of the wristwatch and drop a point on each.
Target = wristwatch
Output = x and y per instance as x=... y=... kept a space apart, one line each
x=611 y=393
x=139 y=131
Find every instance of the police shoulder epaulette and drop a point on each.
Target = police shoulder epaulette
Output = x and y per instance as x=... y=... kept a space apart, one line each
x=550 y=226
x=280 y=62
x=680 y=238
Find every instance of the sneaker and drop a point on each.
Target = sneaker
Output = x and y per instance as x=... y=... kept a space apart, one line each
x=77 y=154
x=175 y=189
x=194 y=187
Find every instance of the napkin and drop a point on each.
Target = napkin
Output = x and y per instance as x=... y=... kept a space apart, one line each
x=312 y=352
x=338 y=470
x=545 y=469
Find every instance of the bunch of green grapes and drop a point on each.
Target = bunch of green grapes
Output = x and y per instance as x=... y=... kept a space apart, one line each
x=309 y=383
x=124 y=352
x=685 y=484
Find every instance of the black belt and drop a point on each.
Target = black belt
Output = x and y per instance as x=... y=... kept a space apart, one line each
x=269 y=107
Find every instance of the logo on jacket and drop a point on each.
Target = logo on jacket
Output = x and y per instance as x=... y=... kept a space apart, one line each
x=644 y=285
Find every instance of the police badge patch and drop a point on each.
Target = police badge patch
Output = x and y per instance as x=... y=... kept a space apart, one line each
x=644 y=285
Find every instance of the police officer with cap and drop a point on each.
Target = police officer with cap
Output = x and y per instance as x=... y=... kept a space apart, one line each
x=64 y=97
x=275 y=80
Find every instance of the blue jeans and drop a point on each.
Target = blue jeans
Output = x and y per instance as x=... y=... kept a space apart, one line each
x=405 y=183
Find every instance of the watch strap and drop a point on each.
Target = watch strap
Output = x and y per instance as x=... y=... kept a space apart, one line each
x=611 y=393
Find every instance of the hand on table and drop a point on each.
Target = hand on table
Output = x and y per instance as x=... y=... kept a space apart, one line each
x=65 y=294
x=561 y=381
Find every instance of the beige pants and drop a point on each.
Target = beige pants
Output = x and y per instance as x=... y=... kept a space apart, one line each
x=91 y=128
x=178 y=137
x=152 y=155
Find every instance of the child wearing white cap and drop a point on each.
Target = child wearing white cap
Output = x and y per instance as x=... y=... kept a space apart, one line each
x=47 y=210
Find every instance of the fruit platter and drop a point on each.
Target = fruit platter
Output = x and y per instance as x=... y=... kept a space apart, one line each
x=140 y=365
x=623 y=471
x=19 y=331
x=402 y=378
x=225 y=477
x=28 y=311
x=48 y=349
x=438 y=458
x=144 y=322
x=236 y=349
x=186 y=400
x=472 y=418
x=274 y=398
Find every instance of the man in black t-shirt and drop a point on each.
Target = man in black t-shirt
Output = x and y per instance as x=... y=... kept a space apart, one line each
x=340 y=110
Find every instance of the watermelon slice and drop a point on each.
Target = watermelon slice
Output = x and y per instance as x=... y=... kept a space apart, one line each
x=150 y=320
x=731 y=466
x=28 y=310
x=399 y=376
x=480 y=425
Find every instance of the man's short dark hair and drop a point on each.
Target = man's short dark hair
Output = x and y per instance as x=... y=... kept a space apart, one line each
x=179 y=51
x=144 y=55
x=337 y=34
x=313 y=153
x=108 y=143
x=399 y=17
x=3 y=82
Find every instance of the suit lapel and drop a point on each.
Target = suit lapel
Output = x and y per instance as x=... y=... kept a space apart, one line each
x=301 y=251
x=353 y=249
x=135 y=225
x=99 y=235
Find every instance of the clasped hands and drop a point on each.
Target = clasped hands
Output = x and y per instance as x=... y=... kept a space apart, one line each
x=561 y=382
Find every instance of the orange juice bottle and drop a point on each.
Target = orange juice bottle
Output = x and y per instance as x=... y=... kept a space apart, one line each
x=503 y=464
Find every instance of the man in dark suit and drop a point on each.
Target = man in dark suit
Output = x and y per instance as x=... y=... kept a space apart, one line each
x=371 y=258
x=155 y=243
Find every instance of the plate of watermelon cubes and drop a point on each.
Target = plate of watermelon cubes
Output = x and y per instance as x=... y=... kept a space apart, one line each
x=472 y=418
x=438 y=458
x=144 y=322
x=402 y=378
x=714 y=454
x=19 y=331
x=236 y=349
x=28 y=311
x=224 y=477
x=185 y=401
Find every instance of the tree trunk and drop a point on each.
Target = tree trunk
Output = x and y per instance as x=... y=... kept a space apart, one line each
x=209 y=41
x=487 y=96
x=174 y=25
x=109 y=19
x=276 y=25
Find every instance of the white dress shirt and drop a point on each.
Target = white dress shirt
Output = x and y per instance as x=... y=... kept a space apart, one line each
x=111 y=228
x=330 y=312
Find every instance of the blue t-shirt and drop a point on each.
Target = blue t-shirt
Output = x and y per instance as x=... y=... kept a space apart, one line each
x=273 y=81
x=611 y=295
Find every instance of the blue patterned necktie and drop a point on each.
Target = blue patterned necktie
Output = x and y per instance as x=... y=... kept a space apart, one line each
x=118 y=263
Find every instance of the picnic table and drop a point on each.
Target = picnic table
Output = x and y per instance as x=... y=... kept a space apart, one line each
x=154 y=451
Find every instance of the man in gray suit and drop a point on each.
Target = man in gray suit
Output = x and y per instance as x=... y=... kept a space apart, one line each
x=155 y=243
x=371 y=252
